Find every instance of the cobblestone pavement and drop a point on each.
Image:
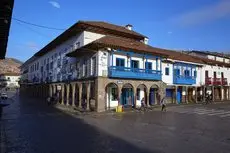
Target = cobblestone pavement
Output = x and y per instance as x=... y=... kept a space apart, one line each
x=30 y=126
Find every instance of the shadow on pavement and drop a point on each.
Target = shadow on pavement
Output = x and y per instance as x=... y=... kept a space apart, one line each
x=31 y=126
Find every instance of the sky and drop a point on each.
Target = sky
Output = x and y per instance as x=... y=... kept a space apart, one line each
x=171 y=24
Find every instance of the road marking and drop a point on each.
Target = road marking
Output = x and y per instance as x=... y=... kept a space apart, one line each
x=226 y=115
x=204 y=112
x=223 y=112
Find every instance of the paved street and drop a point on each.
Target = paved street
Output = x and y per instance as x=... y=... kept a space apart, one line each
x=30 y=126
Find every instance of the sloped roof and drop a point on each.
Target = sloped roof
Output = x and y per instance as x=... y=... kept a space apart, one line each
x=136 y=46
x=121 y=43
x=93 y=26
x=109 y=26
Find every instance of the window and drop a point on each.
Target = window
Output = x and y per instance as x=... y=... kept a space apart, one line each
x=186 y=73
x=148 y=65
x=114 y=94
x=135 y=64
x=77 y=45
x=177 y=72
x=138 y=93
x=120 y=62
x=51 y=65
x=195 y=74
x=166 y=71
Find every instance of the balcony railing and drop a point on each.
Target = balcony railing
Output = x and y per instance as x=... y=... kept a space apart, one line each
x=224 y=81
x=217 y=81
x=180 y=79
x=208 y=81
x=134 y=73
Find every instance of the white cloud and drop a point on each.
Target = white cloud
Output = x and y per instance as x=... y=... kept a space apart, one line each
x=55 y=4
x=205 y=14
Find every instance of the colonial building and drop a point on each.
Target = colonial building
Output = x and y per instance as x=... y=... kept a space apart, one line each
x=10 y=80
x=101 y=65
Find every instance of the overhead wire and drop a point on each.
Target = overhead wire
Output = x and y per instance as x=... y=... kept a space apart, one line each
x=36 y=25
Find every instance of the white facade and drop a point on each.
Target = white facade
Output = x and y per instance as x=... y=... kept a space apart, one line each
x=11 y=80
x=55 y=65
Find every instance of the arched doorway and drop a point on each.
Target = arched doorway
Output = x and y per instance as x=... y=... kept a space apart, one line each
x=141 y=94
x=127 y=97
x=154 y=97
x=112 y=96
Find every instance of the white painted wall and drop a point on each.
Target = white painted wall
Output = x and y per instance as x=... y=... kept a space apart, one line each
x=212 y=69
x=12 y=81
x=142 y=95
x=220 y=59
x=89 y=37
x=167 y=78
x=211 y=57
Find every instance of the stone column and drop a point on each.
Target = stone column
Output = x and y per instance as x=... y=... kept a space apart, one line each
x=186 y=94
x=221 y=93
x=80 y=94
x=73 y=93
x=147 y=97
x=50 y=90
x=67 y=94
x=135 y=97
x=54 y=89
x=204 y=94
x=175 y=98
x=229 y=93
x=213 y=93
x=196 y=94
x=88 y=94
x=62 y=94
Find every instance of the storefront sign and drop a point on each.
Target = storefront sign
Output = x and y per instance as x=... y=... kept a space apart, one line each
x=120 y=82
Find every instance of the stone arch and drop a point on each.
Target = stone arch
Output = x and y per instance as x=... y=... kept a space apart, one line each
x=141 y=94
x=111 y=96
x=154 y=96
x=127 y=95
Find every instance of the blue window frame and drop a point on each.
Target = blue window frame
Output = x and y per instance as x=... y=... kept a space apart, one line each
x=135 y=64
x=186 y=73
x=177 y=72
x=120 y=62
x=195 y=74
x=166 y=71
x=148 y=65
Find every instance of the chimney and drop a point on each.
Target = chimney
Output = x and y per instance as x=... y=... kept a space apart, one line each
x=129 y=26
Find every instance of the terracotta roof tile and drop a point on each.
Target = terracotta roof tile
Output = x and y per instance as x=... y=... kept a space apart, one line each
x=110 y=26
x=124 y=44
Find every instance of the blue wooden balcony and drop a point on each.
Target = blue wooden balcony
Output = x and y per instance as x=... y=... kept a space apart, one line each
x=179 y=79
x=134 y=73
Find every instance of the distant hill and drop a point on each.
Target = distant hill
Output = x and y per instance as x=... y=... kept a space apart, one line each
x=10 y=65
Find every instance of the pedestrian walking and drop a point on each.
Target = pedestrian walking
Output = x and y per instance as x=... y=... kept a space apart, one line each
x=48 y=100
x=163 y=104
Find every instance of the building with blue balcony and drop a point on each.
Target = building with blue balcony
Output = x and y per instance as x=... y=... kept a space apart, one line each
x=130 y=65
x=184 y=73
x=98 y=65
